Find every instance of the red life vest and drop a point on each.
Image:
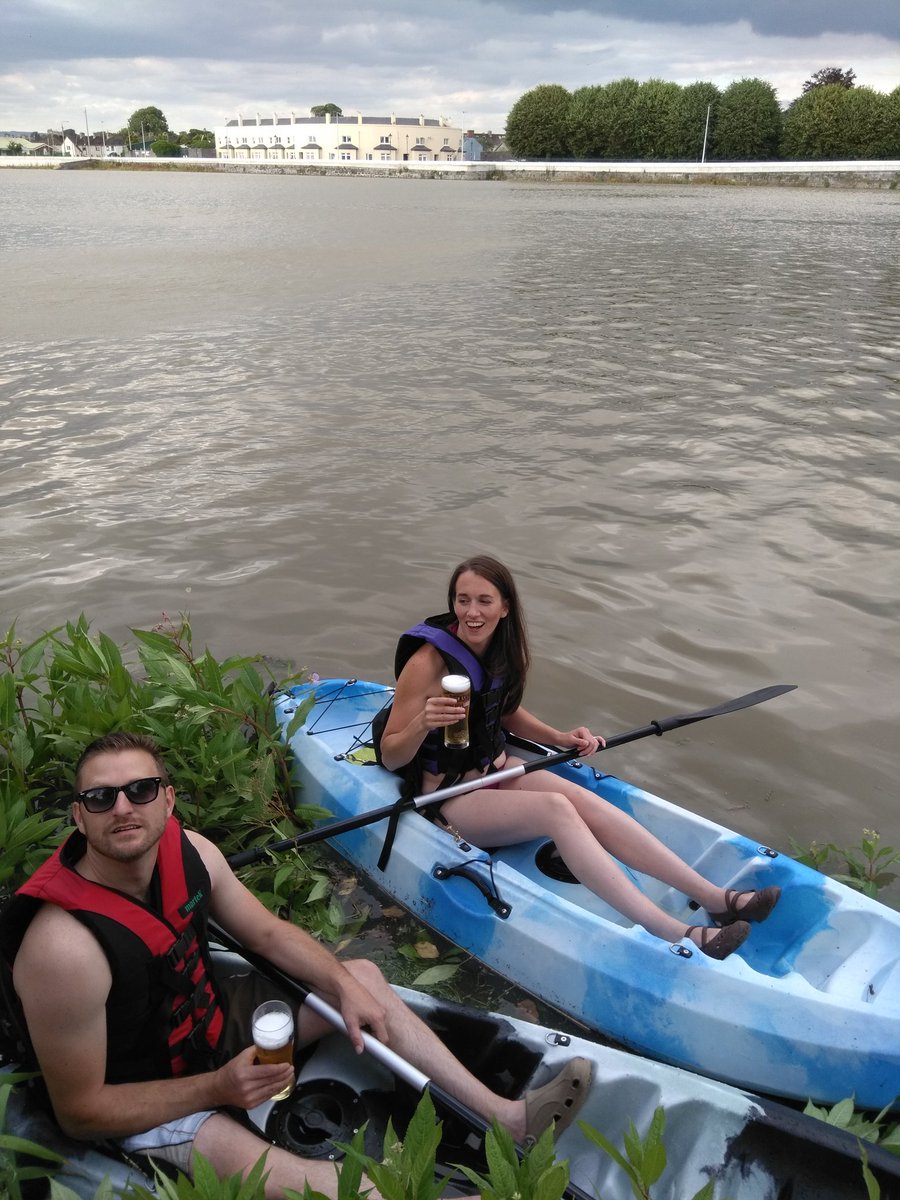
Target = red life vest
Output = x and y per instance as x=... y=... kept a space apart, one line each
x=164 y=1016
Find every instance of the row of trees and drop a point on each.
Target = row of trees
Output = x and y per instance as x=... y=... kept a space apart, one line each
x=660 y=121
x=149 y=126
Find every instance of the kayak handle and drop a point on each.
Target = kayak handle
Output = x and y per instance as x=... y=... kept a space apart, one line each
x=500 y=907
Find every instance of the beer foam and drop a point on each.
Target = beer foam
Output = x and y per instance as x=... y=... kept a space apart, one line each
x=272 y=1030
x=457 y=684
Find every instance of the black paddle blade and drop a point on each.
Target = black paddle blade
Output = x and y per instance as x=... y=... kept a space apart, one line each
x=718 y=710
x=664 y=724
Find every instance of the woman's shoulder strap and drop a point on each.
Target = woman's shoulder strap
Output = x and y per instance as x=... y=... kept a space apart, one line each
x=451 y=649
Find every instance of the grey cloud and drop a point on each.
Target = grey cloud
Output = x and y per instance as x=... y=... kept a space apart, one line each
x=783 y=18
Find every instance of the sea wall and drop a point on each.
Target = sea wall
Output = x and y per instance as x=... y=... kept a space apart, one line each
x=851 y=174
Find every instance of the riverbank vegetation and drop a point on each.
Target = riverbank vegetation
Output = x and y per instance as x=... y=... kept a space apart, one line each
x=659 y=121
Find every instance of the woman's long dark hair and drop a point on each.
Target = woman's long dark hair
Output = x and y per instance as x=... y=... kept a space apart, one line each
x=508 y=655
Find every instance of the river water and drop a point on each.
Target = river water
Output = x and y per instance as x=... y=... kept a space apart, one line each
x=289 y=405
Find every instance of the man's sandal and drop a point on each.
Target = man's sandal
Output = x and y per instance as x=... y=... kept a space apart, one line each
x=559 y=1100
x=756 y=909
x=719 y=943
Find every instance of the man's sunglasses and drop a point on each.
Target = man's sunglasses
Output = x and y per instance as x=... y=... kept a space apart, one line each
x=102 y=799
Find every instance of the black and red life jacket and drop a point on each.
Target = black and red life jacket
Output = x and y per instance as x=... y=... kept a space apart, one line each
x=164 y=1016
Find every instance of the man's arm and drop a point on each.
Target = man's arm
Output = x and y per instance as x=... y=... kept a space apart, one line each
x=288 y=947
x=63 y=979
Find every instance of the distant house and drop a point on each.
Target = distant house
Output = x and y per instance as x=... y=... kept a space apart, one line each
x=25 y=146
x=98 y=145
x=493 y=146
x=355 y=138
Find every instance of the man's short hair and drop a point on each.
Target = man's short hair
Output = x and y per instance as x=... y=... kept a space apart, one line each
x=118 y=742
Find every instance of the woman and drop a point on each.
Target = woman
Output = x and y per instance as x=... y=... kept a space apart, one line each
x=484 y=636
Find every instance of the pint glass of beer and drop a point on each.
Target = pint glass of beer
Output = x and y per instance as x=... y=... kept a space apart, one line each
x=272 y=1027
x=459 y=687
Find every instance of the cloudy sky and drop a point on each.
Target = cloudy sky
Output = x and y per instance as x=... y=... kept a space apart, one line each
x=204 y=61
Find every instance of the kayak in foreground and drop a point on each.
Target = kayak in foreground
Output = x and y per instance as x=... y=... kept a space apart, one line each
x=808 y=1007
x=750 y=1149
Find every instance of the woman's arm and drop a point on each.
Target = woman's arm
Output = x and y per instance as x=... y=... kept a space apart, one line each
x=418 y=707
x=525 y=725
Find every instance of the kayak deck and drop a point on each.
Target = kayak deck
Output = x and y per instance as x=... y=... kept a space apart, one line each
x=808 y=1007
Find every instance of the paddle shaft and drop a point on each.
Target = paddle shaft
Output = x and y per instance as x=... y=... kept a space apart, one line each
x=380 y=1052
x=653 y=729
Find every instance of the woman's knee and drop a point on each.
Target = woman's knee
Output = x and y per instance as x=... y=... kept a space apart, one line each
x=560 y=810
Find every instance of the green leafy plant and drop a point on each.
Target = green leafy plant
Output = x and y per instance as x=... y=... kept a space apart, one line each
x=59 y=1191
x=207 y=1185
x=873 y=1187
x=13 y=1150
x=534 y=1175
x=878 y=1130
x=214 y=719
x=407 y=1171
x=644 y=1159
x=866 y=865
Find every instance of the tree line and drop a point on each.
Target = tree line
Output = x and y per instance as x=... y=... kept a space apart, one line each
x=148 y=127
x=660 y=121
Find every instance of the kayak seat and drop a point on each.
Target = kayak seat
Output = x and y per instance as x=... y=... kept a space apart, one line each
x=851 y=954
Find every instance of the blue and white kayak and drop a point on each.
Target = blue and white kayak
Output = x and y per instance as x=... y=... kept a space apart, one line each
x=808 y=1007
x=751 y=1149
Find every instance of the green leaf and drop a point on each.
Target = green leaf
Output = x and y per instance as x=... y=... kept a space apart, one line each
x=18 y=1145
x=841 y=1114
x=707 y=1192
x=299 y=718
x=436 y=974
x=599 y=1139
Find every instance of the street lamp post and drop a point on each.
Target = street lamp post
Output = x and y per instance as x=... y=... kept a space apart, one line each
x=705 y=133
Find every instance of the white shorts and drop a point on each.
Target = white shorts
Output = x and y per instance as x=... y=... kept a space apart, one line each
x=172 y=1142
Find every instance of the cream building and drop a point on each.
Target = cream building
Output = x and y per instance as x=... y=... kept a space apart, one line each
x=340 y=139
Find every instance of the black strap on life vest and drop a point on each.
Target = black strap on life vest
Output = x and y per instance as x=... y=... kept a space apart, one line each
x=458 y=657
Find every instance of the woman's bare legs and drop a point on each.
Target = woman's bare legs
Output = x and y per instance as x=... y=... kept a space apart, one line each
x=589 y=832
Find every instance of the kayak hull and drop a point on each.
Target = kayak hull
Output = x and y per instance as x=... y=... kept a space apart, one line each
x=751 y=1149
x=808 y=1008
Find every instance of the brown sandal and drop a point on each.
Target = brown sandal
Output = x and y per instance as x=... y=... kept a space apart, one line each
x=719 y=943
x=559 y=1100
x=756 y=909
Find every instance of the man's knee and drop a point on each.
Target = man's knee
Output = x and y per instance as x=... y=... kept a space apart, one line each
x=368 y=974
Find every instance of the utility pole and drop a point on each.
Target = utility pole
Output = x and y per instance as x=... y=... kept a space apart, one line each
x=705 y=133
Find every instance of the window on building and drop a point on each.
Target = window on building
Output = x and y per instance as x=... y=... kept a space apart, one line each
x=386 y=156
x=345 y=137
x=346 y=156
x=446 y=141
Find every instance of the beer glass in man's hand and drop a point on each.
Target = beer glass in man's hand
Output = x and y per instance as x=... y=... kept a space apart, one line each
x=456 y=735
x=272 y=1028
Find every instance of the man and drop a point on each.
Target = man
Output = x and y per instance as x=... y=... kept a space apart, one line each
x=136 y=1038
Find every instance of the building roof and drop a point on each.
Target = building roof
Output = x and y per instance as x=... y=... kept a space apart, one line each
x=28 y=147
x=346 y=119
